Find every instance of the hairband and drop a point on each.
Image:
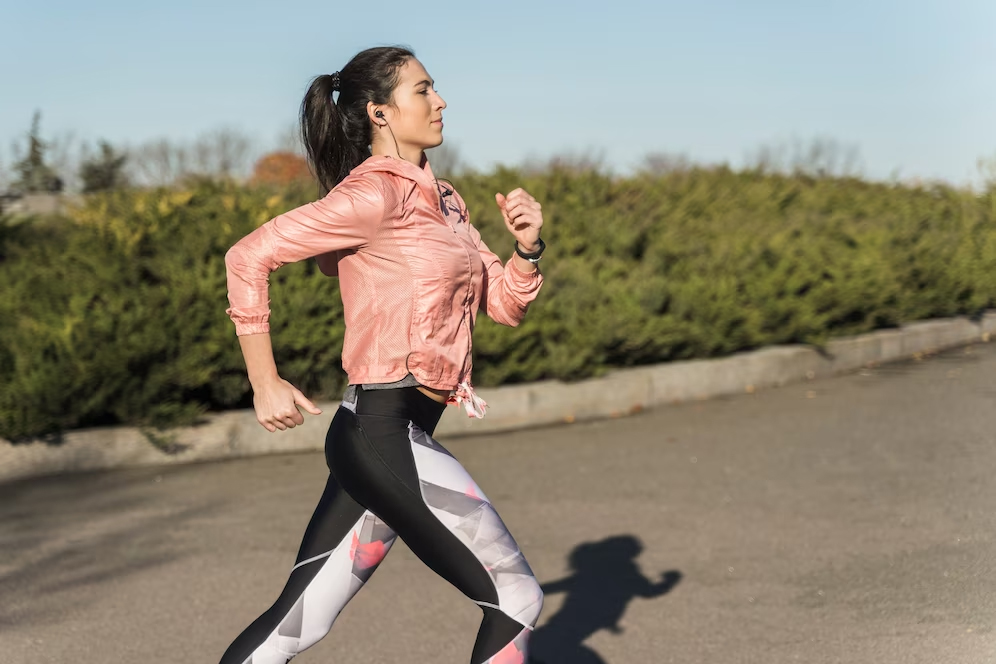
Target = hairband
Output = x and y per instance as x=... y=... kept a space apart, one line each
x=335 y=81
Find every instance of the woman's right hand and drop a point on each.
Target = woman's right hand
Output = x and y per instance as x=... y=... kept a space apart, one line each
x=276 y=405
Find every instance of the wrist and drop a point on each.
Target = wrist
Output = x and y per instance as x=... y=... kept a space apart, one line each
x=262 y=381
x=530 y=248
x=531 y=256
x=522 y=265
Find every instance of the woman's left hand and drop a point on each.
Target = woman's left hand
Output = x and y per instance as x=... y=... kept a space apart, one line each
x=523 y=217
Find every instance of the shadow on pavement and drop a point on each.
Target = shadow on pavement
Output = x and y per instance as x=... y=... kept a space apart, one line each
x=65 y=533
x=604 y=581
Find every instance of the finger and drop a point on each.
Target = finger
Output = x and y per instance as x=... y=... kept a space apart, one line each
x=531 y=204
x=519 y=208
x=502 y=205
x=305 y=402
x=521 y=222
x=266 y=425
x=278 y=424
x=521 y=195
x=514 y=206
x=291 y=418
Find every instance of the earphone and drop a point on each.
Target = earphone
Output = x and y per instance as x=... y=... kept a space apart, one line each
x=380 y=114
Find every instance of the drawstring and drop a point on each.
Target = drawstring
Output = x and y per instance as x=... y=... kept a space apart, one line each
x=446 y=191
x=473 y=404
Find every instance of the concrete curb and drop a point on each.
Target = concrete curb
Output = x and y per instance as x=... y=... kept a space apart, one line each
x=620 y=392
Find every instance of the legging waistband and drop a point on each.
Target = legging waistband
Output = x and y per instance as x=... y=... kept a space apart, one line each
x=401 y=402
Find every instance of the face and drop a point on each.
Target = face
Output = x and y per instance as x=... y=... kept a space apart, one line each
x=416 y=116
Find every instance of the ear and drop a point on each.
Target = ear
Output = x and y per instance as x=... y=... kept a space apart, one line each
x=372 y=109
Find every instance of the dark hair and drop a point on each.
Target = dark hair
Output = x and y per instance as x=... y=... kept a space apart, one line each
x=337 y=133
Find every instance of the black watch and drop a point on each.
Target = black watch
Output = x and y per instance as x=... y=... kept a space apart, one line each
x=533 y=257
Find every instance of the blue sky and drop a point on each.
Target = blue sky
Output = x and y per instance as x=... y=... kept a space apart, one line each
x=911 y=84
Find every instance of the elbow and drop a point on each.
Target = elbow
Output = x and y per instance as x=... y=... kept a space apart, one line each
x=504 y=315
x=233 y=259
x=247 y=280
x=241 y=261
x=504 y=306
x=513 y=321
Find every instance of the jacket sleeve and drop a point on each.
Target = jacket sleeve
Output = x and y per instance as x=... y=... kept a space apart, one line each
x=507 y=290
x=347 y=218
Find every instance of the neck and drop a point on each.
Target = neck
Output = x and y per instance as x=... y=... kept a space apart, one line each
x=388 y=148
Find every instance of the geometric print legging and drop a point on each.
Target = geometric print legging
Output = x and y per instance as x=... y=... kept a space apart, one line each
x=389 y=478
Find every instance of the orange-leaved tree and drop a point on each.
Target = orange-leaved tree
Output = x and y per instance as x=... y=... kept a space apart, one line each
x=281 y=168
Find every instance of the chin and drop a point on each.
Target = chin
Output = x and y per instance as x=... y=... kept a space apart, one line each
x=434 y=143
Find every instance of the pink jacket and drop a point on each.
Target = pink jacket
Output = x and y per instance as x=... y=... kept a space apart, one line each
x=413 y=277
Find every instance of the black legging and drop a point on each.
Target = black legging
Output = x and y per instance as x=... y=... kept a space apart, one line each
x=388 y=478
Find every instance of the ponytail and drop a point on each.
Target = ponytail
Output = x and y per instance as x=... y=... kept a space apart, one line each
x=337 y=133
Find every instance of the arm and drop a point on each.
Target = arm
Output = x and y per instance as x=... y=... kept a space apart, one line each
x=258 y=353
x=668 y=581
x=509 y=288
x=561 y=585
x=345 y=219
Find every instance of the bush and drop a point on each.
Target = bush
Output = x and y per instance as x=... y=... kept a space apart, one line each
x=117 y=314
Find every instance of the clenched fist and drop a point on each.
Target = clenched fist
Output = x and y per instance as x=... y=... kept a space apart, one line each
x=523 y=217
x=276 y=405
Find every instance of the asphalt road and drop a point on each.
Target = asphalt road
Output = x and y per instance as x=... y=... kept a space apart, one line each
x=844 y=520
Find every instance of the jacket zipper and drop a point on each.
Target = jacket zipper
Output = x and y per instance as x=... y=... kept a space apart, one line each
x=470 y=264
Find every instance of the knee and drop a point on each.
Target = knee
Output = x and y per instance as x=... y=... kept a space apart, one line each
x=532 y=601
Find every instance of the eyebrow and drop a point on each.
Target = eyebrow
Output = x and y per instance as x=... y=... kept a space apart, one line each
x=427 y=82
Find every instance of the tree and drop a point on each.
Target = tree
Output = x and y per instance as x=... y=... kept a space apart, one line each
x=821 y=157
x=445 y=160
x=281 y=169
x=160 y=162
x=4 y=176
x=104 y=171
x=33 y=174
x=220 y=154
x=987 y=172
x=664 y=163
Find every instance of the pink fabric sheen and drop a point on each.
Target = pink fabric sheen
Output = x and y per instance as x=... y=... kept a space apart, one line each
x=412 y=278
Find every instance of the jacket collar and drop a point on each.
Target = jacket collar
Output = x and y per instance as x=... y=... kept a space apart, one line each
x=423 y=177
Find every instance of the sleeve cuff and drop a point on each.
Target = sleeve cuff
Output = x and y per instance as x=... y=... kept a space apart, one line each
x=251 y=327
x=522 y=276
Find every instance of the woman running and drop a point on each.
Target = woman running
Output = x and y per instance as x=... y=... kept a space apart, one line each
x=413 y=274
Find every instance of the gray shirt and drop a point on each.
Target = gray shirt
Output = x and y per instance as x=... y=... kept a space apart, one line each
x=408 y=381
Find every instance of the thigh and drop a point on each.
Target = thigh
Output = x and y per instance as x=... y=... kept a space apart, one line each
x=338 y=519
x=399 y=472
x=461 y=507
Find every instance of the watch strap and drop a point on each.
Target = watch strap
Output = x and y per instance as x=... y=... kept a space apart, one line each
x=533 y=257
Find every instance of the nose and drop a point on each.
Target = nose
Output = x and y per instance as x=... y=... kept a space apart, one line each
x=442 y=102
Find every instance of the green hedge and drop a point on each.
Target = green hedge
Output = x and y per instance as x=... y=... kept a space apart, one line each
x=116 y=314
